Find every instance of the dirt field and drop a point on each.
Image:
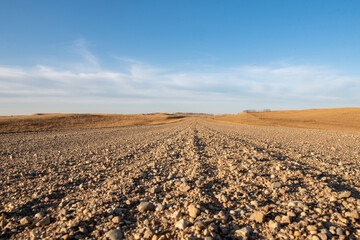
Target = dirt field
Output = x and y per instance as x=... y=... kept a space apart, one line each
x=340 y=119
x=46 y=122
x=193 y=179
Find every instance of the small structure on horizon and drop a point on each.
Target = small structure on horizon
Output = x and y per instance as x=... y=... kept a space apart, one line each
x=249 y=111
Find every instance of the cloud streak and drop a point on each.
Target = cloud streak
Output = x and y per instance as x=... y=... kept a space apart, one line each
x=267 y=86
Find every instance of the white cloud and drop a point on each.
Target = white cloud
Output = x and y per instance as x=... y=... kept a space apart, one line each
x=141 y=82
x=144 y=80
x=81 y=47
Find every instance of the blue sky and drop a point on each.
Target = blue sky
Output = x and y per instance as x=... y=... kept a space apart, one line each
x=178 y=56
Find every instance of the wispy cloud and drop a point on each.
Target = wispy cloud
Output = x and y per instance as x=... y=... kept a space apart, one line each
x=140 y=81
x=81 y=47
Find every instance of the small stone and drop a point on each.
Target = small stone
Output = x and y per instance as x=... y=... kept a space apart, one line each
x=159 y=207
x=299 y=204
x=258 y=216
x=311 y=228
x=345 y=194
x=25 y=221
x=314 y=237
x=148 y=234
x=193 y=211
x=353 y=214
x=39 y=215
x=156 y=189
x=116 y=219
x=114 y=235
x=339 y=232
x=82 y=229
x=34 y=235
x=146 y=206
x=63 y=212
x=176 y=214
x=276 y=185
x=333 y=199
x=44 y=221
x=223 y=198
x=243 y=232
x=181 y=224
x=274 y=226
x=184 y=187
x=286 y=219
x=323 y=236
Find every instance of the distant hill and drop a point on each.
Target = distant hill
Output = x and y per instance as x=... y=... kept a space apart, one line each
x=341 y=119
x=46 y=122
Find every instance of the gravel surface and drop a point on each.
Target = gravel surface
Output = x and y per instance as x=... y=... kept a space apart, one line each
x=194 y=179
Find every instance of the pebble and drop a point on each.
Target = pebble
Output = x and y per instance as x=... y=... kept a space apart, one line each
x=298 y=204
x=159 y=207
x=243 y=232
x=114 y=235
x=116 y=219
x=181 y=224
x=184 y=187
x=276 y=185
x=258 y=216
x=146 y=206
x=273 y=225
x=156 y=189
x=44 y=221
x=25 y=221
x=345 y=194
x=285 y=219
x=353 y=214
x=193 y=211
x=148 y=234
x=323 y=236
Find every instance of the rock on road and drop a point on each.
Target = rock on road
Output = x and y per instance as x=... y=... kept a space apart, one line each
x=194 y=179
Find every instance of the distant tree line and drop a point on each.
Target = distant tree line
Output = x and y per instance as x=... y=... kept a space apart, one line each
x=253 y=110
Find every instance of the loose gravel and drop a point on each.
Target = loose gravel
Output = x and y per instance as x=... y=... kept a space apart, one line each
x=194 y=179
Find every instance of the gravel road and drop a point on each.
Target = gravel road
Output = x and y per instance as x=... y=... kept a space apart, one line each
x=194 y=179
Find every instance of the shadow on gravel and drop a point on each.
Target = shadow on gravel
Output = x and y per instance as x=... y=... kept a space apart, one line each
x=29 y=209
x=338 y=184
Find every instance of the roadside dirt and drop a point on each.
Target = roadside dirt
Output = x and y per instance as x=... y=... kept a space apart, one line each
x=193 y=179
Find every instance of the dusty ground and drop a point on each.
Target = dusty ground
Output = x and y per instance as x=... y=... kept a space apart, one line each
x=51 y=122
x=193 y=179
x=340 y=119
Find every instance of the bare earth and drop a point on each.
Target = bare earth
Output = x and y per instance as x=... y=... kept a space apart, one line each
x=193 y=179
x=56 y=121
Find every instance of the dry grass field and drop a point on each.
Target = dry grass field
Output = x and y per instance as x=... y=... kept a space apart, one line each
x=339 y=119
x=45 y=122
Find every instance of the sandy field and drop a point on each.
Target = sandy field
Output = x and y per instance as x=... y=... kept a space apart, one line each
x=191 y=179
